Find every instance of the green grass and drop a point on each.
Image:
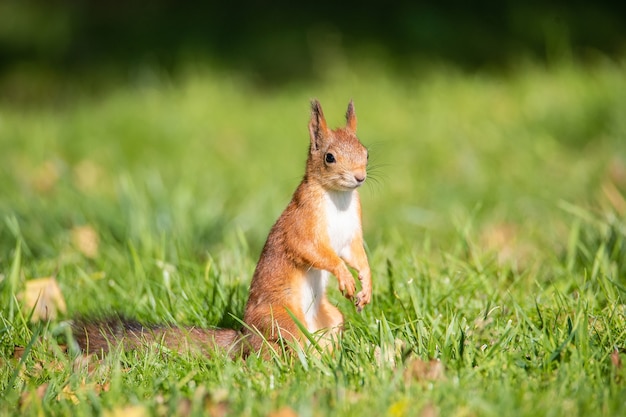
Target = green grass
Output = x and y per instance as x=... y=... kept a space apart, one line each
x=495 y=222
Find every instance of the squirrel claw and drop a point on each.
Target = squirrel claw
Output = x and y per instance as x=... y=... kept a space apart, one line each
x=348 y=294
x=357 y=303
x=361 y=300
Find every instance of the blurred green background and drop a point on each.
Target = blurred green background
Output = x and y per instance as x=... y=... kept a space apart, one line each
x=150 y=119
x=273 y=44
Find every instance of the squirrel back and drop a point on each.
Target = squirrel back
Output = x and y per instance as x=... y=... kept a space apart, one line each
x=318 y=234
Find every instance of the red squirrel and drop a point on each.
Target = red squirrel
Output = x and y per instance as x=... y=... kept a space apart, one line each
x=318 y=234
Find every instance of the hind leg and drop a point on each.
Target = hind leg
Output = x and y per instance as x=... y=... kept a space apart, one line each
x=272 y=327
x=330 y=321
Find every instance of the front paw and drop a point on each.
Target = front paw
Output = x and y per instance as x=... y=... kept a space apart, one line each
x=362 y=299
x=364 y=296
x=347 y=286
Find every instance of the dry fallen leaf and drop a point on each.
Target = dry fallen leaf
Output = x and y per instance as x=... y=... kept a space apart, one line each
x=283 y=412
x=615 y=197
x=506 y=241
x=388 y=357
x=45 y=177
x=220 y=409
x=184 y=408
x=18 y=352
x=86 y=240
x=106 y=387
x=71 y=394
x=87 y=175
x=68 y=394
x=28 y=397
x=44 y=298
x=420 y=370
x=215 y=403
x=501 y=239
x=617 y=172
x=127 y=411
x=86 y=362
x=429 y=410
x=615 y=359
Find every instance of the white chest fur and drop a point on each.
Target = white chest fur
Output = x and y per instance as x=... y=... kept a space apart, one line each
x=343 y=223
x=342 y=219
x=312 y=293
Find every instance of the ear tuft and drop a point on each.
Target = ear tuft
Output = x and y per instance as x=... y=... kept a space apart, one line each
x=317 y=126
x=351 y=117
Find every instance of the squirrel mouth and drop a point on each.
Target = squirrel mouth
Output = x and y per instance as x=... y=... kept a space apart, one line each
x=347 y=182
x=357 y=181
x=352 y=185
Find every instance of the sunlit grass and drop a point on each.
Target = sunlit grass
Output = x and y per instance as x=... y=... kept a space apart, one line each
x=495 y=222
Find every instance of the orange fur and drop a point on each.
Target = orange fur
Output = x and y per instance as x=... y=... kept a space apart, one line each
x=318 y=233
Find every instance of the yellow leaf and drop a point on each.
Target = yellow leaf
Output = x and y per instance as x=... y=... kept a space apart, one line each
x=87 y=175
x=33 y=398
x=45 y=177
x=398 y=409
x=86 y=240
x=43 y=296
x=284 y=412
x=423 y=371
x=429 y=410
x=127 y=411
x=68 y=394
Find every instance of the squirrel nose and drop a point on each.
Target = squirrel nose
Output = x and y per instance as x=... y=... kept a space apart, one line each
x=359 y=178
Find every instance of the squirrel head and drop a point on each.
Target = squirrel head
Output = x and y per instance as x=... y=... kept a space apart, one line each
x=337 y=159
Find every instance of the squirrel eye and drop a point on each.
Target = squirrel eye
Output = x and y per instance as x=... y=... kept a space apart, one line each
x=330 y=158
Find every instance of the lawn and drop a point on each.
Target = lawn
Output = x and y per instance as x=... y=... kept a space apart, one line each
x=494 y=215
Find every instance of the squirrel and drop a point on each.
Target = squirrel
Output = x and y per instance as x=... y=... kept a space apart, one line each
x=318 y=234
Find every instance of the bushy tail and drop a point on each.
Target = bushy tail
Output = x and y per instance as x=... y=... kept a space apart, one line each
x=100 y=336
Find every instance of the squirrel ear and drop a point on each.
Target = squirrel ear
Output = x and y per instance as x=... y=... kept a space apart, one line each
x=351 y=117
x=317 y=126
